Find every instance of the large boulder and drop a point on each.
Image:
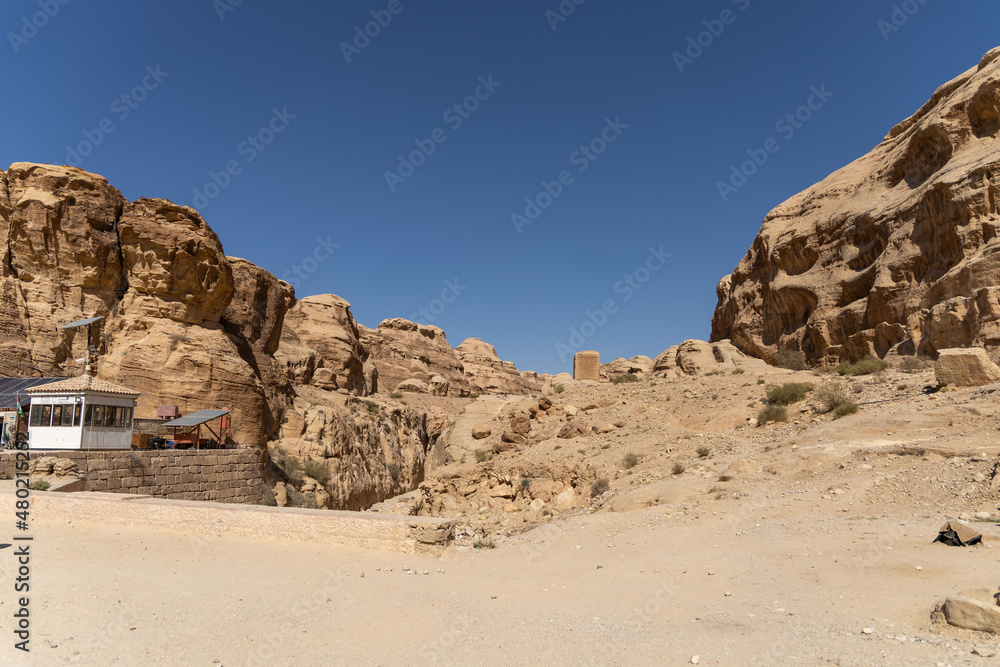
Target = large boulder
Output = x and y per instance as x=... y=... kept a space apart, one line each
x=971 y=614
x=897 y=251
x=965 y=368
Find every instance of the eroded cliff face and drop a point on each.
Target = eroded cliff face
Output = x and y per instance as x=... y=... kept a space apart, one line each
x=896 y=252
x=345 y=453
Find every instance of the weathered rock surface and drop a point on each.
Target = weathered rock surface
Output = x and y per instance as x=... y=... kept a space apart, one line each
x=370 y=455
x=964 y=612
x=320 y=332
x=965 y=368
x=898 y=250
x=486 y=373
x=638 y=365
x=696 y=356
x=404 y=350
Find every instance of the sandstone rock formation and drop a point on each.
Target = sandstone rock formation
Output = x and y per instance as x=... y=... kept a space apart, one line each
x=369 y=454
x=404 y=350
x=638 y=365
x=486 y=373
x=320 y=332
x=74 y=248
x=696 y=356
x=898 y=251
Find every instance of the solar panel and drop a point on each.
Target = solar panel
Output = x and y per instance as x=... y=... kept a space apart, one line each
x=81 y=323
x=197 y=418
x=10 y=387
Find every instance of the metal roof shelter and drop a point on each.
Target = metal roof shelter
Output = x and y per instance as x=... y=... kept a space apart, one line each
x=193 y=423
x=11 y=387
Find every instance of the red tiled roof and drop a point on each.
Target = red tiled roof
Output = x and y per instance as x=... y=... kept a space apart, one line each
x=82 y=383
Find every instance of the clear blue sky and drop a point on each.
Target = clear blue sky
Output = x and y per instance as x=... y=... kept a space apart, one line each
x=223 y=70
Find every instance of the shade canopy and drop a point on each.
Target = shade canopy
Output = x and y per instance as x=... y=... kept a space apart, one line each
x=197 y=418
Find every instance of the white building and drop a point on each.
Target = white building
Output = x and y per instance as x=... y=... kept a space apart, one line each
x=81 y=413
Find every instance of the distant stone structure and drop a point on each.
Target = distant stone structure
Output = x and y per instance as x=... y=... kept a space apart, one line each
x=587 y=366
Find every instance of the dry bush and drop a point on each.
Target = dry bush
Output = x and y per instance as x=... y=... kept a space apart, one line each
x=772 y=413
x=830 y=396
x=788 y=393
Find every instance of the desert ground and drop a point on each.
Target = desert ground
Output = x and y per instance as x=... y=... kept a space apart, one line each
x=807 y=542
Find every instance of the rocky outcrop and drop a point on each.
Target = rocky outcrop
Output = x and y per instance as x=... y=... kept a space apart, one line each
x=693 y=357
x=639 y=366
x=320 y=332
x=486 y=373
x=369 y=452
x=61 y=261
x=404 y=350
x=898 y=251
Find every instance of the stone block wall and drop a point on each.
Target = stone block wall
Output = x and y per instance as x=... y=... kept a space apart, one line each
x=220 y=475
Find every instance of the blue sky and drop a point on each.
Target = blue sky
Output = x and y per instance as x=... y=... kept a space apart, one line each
x=587 y=114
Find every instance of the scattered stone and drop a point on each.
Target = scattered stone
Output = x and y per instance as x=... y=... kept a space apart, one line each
x=868 y=631
x=481 y=431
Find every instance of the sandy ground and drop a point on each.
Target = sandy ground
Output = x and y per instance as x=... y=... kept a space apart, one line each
x=763 y=582
x=822 y=555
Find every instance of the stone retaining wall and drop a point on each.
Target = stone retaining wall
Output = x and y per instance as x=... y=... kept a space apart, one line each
x=220 y=475
x=368 y=530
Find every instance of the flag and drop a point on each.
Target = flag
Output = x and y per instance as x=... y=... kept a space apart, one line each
x=17 y=398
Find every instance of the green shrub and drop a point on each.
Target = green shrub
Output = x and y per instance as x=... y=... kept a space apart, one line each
x=267 y=497
x=372 y=406
x=396 y=394
x=772 y=413
x=737 y=371
x=831 y=396
x=482 y=456
x=866 y=366
x=711 y=373
x=559 y=389
x=628 y=377
x=525 y=483
x=318 y=470
x=845 y=409
x=393 y=471
x=39 y=485
x=484 y=544
x=630 y=461
x=793 y=360
x=761 y=380
x=703 y=452
x=678 y=468
x=788 y=393
x=473 y=395
x=599 y=486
